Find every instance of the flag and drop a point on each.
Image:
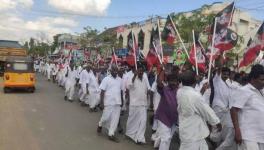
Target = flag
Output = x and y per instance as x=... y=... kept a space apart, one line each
x=132 y=49
x=254 y=48
x=225 y=38
x=141 y=37
x=168 y=34
x=201 y=60
x=225 y=16
x=168 y=38
x=152 y=56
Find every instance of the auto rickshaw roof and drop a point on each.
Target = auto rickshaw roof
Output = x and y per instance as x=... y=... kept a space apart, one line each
x=18 y=59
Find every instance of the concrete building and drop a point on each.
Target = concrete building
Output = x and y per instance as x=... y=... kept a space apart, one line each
x=144 y=27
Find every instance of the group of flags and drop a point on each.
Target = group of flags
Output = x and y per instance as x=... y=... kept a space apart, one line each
x=221 y=37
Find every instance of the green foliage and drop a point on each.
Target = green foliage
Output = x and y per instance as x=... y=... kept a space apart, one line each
x=88 y=37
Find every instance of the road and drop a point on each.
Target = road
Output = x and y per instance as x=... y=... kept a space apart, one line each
x=44 y=121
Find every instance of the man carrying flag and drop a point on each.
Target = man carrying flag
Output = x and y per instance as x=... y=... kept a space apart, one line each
x=254 y=47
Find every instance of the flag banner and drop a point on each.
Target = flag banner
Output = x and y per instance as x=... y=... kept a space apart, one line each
x=169 y=39
x=225 y=16
x=132 y=49
x=201 y=60
x=152 y=57
x=254 y=48
x=225 y=38
x=169 y=34
x=141 y=37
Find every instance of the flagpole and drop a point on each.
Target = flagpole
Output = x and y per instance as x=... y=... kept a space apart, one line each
x=114 y=56
x=157 y=53
x=178 y=34
x=232 y=13
x=212 y=50
x=134 y=49
x=195 y=52
x=161 y=49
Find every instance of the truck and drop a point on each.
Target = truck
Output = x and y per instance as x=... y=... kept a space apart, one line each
x=9 y=48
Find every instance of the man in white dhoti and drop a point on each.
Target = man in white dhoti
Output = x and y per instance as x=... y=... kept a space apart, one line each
x=85 y=78
x=137 y=119
x=70 y=83
x=247 y=112
x=194 y=115
x=111 y=98
x=94 y=91
x=48 y=70
x=220 y=104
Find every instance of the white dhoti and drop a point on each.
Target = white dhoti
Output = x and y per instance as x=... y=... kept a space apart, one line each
x=48 y=74
x=83 y=92
x=197 y=145
x=110 y=118
x=249 y=145
x=94 y=98
x=165 y=133
x=136 y=123
x=225 y=138
x=69 y=90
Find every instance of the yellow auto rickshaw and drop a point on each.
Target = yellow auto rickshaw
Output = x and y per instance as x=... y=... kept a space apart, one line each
x=19 y=74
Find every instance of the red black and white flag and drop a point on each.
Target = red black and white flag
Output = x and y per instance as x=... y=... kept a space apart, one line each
x=168 y=34
x=200 y=55
x=152 y=56
x=254 y=48
x=225 y=38
x=132 y=49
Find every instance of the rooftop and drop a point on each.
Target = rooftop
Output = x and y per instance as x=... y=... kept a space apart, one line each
x=10 y=44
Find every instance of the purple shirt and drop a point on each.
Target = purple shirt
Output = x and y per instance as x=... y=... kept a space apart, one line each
x=167 y=109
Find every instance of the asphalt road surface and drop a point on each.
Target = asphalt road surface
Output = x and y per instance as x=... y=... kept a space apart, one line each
x=44 y=121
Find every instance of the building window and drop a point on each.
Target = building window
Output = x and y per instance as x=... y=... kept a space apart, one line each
x=243 y=26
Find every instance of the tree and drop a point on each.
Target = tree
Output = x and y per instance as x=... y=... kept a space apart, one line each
x=87 y=38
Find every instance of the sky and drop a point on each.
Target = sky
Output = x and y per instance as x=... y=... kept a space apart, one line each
x=41 y=19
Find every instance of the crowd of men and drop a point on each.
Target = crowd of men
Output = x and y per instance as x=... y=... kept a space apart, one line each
x=226 y=110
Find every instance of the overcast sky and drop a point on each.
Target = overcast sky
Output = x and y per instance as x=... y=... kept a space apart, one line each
x=22 y=19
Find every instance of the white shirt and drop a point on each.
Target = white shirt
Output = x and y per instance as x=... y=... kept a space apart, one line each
x=84 y=77
x=193 y=115
x=79 y=70
x=221 y=92
x=93 y=85
x=112 y=87
x=138 y=92
x=130 y=75
x=71 y=78
x=251 y=115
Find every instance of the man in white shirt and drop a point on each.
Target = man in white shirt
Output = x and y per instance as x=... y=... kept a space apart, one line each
x=70 y=83
x=111 y=97
x=220 y=104
x=247 y=112
x=137 y=119
x=194 y=115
